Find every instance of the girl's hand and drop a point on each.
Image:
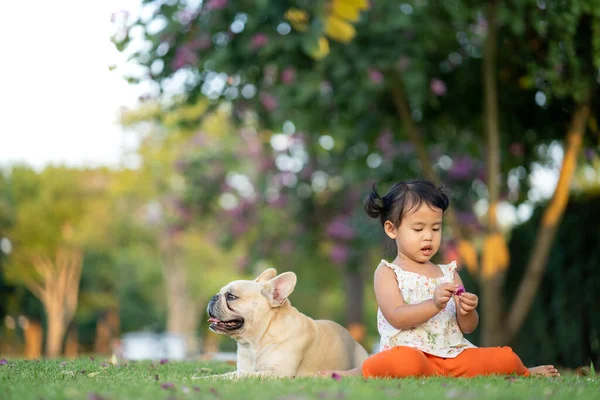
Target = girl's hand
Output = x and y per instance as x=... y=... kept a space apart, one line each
x=442 y=294
x=467 y=302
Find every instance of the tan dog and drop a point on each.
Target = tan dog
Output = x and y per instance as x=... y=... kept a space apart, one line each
x=274 y=339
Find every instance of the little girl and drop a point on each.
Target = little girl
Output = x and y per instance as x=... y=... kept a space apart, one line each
x=423 y=308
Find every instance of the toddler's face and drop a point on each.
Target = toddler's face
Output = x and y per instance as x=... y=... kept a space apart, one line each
x=420 y=233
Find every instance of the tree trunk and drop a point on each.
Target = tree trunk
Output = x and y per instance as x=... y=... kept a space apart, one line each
x=183 y=308
x=55 y=333
x=34 y=337
x=403 y=109
x=107 y=330
x=550 y=221
x=72 y=343
x=495 y=257
x=353 y=283
x=103 y=337
x=59 y=293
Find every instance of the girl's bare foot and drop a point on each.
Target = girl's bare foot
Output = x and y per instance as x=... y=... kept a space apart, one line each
x=335 y=374
x=544 y=370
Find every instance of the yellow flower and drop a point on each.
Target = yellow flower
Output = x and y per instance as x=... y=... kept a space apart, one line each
x=344 y=10
x=298 y=18
x=322 y=50
x=360 y=4
x=339 y=29
x=338 y=23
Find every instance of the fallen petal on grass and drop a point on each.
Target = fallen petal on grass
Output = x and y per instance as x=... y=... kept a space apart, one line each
x=94 y=396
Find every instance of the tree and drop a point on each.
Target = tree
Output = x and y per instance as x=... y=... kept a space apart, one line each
x=394 y=91
x=45 y=256
x=195 y=262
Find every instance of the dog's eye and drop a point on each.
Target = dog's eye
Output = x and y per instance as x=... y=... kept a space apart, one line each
x=229 y=296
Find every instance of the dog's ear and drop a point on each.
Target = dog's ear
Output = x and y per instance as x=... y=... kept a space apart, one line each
x=279 y=288
x=266 y=275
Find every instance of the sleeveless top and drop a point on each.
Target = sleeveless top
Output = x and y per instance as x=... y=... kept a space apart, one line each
x=440 y=336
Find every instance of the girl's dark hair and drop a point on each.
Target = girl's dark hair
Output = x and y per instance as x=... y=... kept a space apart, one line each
x=403 y=198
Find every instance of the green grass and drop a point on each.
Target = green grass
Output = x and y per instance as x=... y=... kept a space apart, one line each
x=97 y=379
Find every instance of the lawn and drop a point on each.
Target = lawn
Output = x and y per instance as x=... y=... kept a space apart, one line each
x=96 y=379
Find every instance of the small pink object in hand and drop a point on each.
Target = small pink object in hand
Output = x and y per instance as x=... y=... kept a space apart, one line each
x=460 y=290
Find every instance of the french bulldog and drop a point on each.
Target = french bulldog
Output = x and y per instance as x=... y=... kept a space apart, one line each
x=273 y=338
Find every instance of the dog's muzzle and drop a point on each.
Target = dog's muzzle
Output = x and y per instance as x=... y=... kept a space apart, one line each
x=211 y=306
x=217 y=324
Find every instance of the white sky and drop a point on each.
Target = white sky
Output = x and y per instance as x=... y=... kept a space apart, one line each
x=58 y=99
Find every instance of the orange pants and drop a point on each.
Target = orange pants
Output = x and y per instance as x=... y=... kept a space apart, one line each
x=402 y=361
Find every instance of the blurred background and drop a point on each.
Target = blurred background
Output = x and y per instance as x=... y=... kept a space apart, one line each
x=152 y=151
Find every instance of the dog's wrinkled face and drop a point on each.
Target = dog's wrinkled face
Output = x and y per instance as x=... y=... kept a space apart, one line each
x=242 y=306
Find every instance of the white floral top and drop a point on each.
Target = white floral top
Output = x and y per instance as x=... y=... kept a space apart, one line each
x=440 y=335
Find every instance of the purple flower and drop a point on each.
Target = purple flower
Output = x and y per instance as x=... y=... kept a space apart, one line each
x=336 y=376
x=438 y=87
x=460 y=290
x=239 y=227
x=280 y=202
x=181 y=165
x=375 y=76
x=341 y=228
x=185 y=16
x=339 y=253
x=589 y=153
x=94 y=396
x=385 y=143
x=184 y=55
x=516 y=149
x=167 y=386
x=266 y=164
x=259 y=41
x=287 y=247
x=406 y=149
x=242 y=263
x=163 y=361
x=201 y=43
x=403 y=63
x=269 y=102
x=467 y=218
x=288 y=75
x=216 y=4
x=461 y=168
x=3 y=361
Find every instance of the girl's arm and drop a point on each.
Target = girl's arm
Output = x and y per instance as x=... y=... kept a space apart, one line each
x=399 y=314
x=466 y=314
